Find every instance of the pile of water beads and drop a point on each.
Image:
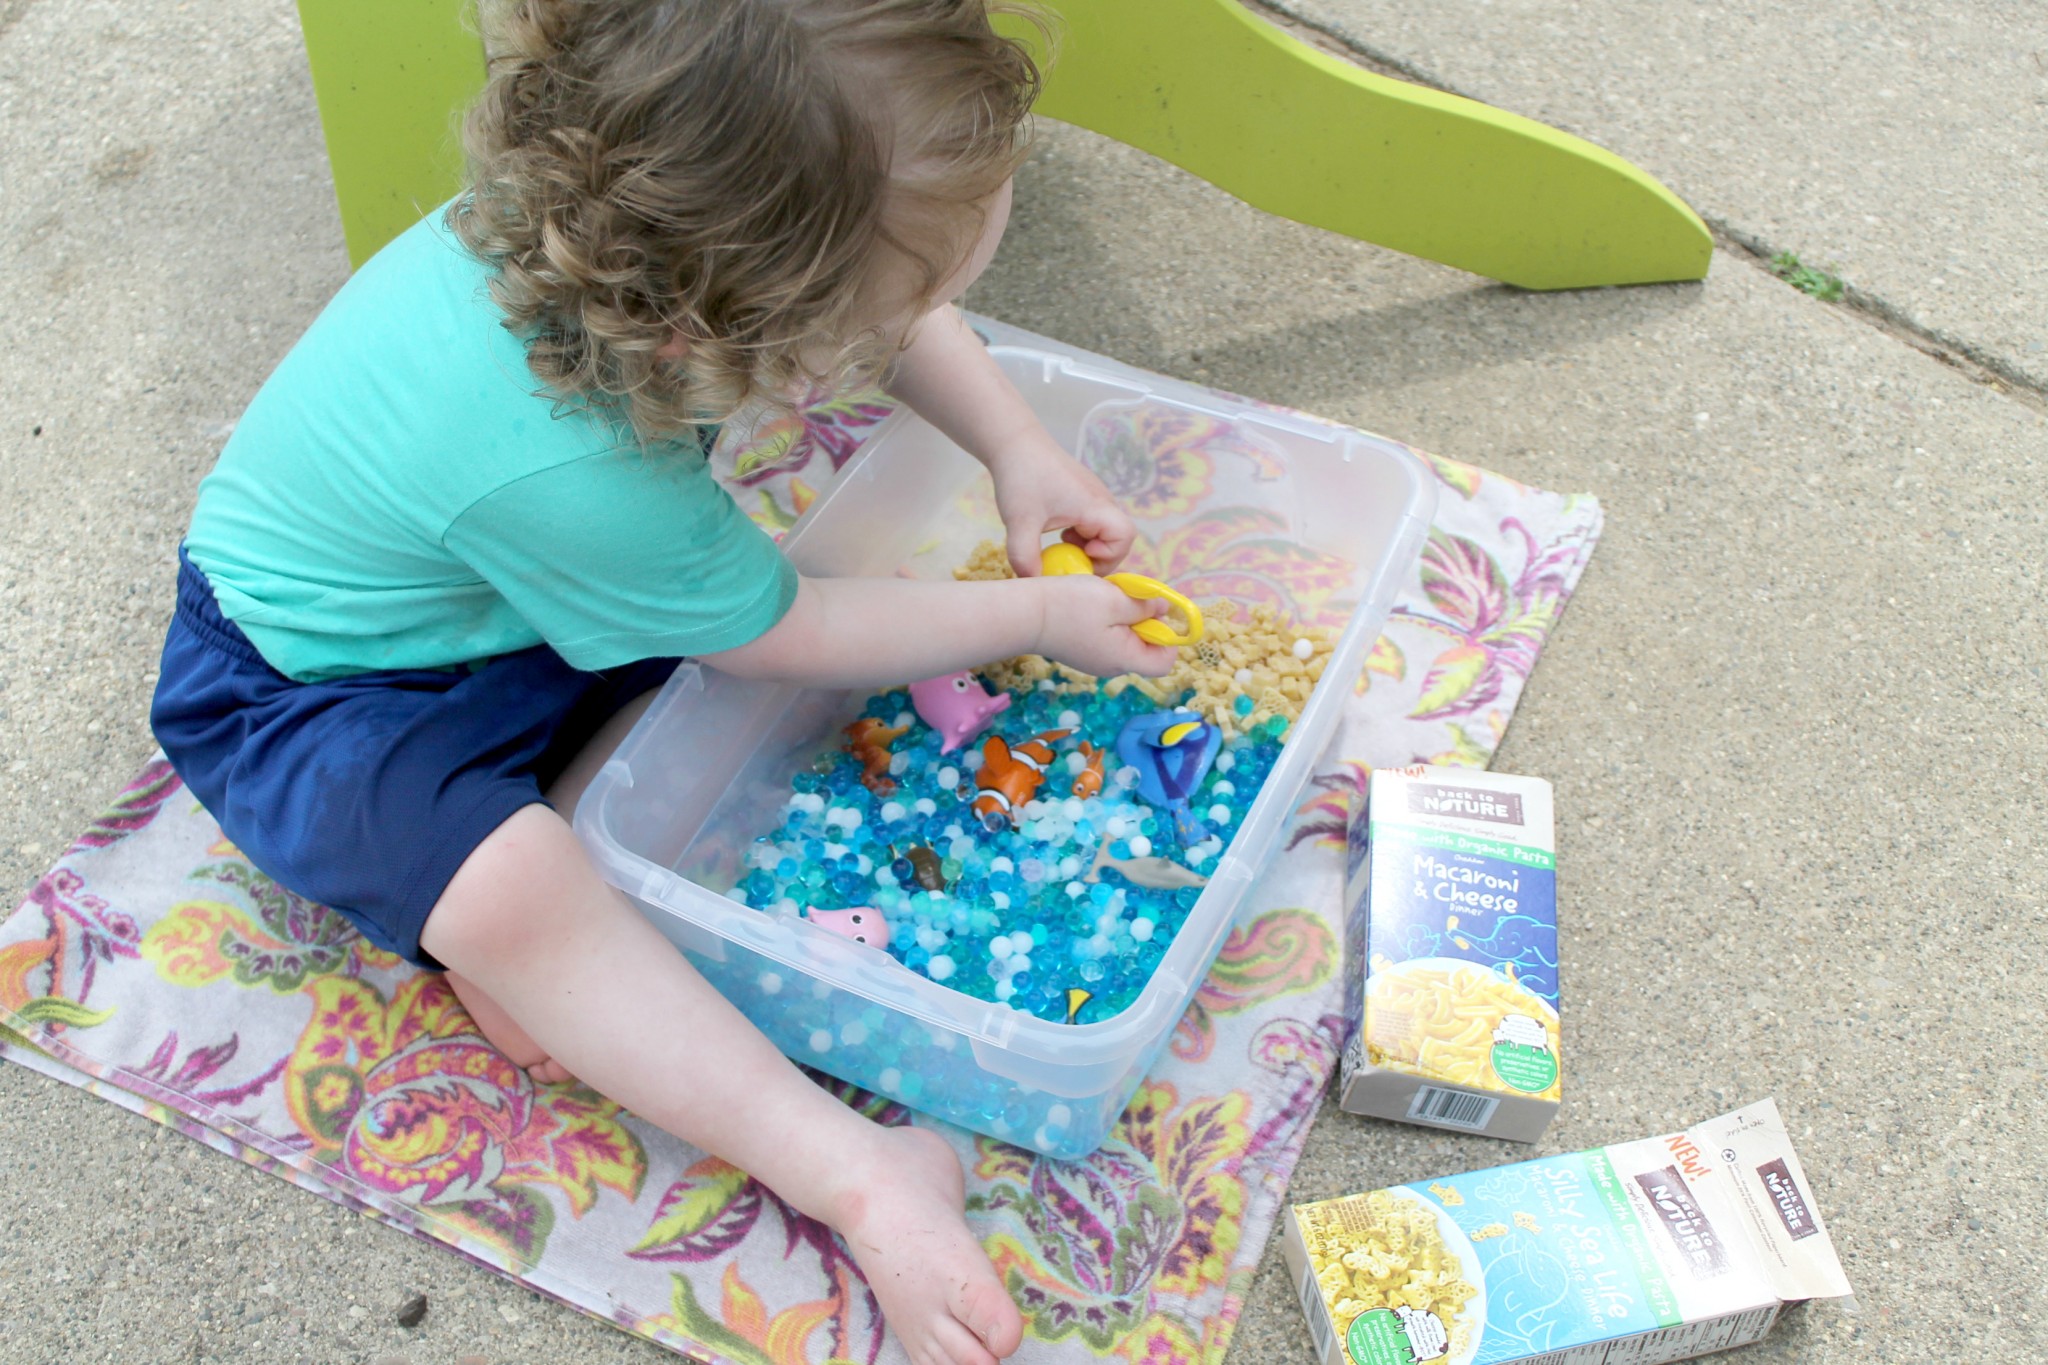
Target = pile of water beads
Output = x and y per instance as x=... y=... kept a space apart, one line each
x=1028 y=913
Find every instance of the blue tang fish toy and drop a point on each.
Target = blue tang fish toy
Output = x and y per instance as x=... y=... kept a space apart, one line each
x=1172 y=751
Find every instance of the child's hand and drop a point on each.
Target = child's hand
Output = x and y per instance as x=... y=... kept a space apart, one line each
x=1040 y=488
x=1087 y=625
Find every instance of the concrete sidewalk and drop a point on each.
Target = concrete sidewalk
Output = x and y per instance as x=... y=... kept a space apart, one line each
x=1796 y=716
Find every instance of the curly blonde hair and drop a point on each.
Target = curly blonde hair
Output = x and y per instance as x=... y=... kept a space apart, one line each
x=732 y=174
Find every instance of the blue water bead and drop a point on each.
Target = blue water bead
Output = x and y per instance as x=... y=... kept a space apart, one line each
x=1039 y=936
x=1243 y=705
x=788 y=868
x=1101 y=892
x=1120 y=849
x=806 y=782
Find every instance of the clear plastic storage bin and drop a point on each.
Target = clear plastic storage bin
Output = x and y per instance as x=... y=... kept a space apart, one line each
x=670 y=818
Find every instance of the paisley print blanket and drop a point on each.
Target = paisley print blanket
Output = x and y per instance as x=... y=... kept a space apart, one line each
x=156 y=968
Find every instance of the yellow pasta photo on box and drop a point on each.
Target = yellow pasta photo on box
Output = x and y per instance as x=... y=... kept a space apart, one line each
x=1453 y=924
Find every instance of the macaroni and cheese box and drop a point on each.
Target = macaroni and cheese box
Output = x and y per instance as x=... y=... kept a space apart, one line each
x=1451 y=932
x=1636 y=1254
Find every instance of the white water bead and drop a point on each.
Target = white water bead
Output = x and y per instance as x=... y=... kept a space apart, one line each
x=1141 y=929
x=1127 y=777
x=1000 y=947
x=999 y=899
x=899 y=764
x=940 y=967
x=1226 y=789
x=1073 y=809
x=1219 y=814
x=1304 y=650
x=1001 y=863
x=1141 y=847
x=926 y=806
x=771 y=984
x=1004 y=990
x=854 y=1034
x=949 y=778
x=1021 y=940
x=1243 y=678
x=1070 y=720
x=972 y=760
x=1225 y=761
x=1116 y=827
x=892 y=811
x=1076 y=761
x=821 y=1041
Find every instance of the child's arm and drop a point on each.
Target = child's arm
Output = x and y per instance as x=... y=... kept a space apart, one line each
x=872 y=632
x=948 y=377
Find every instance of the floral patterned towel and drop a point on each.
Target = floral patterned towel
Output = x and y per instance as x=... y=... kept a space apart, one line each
x=156 y=968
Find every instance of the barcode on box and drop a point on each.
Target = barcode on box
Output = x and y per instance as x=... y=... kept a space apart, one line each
x=1318 y=1320
x=1451 y=1108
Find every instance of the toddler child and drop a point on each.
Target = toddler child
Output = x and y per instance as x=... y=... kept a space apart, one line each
x=467 y=522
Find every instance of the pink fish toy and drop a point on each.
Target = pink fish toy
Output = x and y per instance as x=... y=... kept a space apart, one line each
x=862 y=924
x=957 y=706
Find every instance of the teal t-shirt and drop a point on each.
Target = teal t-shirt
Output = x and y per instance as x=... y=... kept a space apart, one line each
x=401 y=494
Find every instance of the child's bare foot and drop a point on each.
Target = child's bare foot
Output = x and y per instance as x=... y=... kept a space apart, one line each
x=502 y=1032
x=902 y=1217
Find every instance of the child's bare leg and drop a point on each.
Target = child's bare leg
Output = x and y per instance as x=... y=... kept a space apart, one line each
x=500 y=1028
x=528 y=922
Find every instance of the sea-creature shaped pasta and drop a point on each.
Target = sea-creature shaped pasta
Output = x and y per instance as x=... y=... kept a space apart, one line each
x=1385 y=1250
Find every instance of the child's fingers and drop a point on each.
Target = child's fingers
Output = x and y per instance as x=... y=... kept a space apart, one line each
x=1022 y=543
x=1133 y=610
x=1107 y=538
x=1153 y=661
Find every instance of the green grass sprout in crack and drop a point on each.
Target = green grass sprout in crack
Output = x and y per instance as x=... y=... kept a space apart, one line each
x=1821 y=284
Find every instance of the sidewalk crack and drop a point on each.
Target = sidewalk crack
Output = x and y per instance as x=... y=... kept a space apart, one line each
x=1966 y=358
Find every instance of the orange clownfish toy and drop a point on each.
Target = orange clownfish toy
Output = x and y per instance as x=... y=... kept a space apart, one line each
x=1010 y=777
x=1088 y=782
x=868 y=740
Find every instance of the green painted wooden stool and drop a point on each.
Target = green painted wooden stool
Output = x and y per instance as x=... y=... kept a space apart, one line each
x=1203 y=83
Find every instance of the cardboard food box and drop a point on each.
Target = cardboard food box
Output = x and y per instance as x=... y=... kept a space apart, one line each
x=1637 y=1254
x=1451 y=930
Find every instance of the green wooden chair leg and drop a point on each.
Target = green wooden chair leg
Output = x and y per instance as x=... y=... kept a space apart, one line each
x=391 y=77
x=1203 y=83
x=1297 y=132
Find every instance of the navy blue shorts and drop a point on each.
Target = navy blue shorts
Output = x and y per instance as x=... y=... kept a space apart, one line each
x=366 y=793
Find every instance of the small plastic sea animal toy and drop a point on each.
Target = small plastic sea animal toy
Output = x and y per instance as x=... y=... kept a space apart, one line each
x=1076 y=998
x=957 y=706
x=924 y=868
x=1088 y=782
x=1063 y=558
x=1157 y=874
x=868 y=740
x=1172 y=751
x=862 y=924
x=1011 y=777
